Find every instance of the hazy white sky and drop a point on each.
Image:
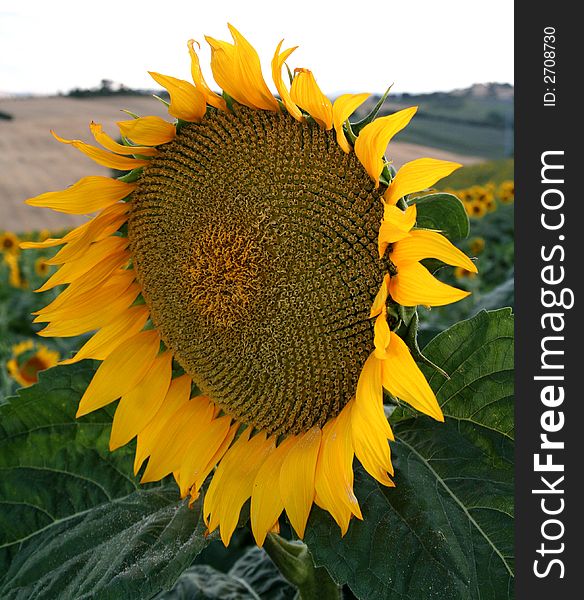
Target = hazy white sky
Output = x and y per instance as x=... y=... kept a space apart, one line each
x=421 y=45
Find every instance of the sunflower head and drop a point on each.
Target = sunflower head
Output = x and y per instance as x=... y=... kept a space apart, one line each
x=461 y=273
x=246 y=274
x=28 y=359
x=507 y=192
x=477 y=245
x=41 y=268
x=476 y=209
x=9 y=242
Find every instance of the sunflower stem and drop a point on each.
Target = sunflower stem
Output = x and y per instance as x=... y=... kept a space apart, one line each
x=294 y=561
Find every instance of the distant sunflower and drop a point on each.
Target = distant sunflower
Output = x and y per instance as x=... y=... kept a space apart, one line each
x=9 y=242
x=461 y=273
x=230 y=277
x=28 y=359
x=15 y=278
x=476 y=245
x=507 y=192
x=41 y=267
x=476 y=209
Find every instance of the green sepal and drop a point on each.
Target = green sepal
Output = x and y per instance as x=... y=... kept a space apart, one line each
x=356 y=127
x=290 y=74
x=387 y=174
x=349 y=133
x=294 y=561
x=180 y=124
x=165 y=102
x=129 y=112
x=228 y=100
x=132 y=176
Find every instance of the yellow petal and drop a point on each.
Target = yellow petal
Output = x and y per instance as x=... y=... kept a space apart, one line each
x=109 y=144
x=401 y=376
x=382 y=334
x=395 y=226
x=343 y=108
x=201 y=451
x=126 y=325
x=178 y=396
x=334 y=470
x=214 y=491
x=86 y=196
x=211 y=97
x=100 y=227
x=149 y=131
x=369 y=427
x=121 y=371
x=88 y=303
x=403 y=220
x=232 y=483
x=277 y=64
x=418 y=175
x=102 y=157
x=236 y=68
x=369 y=397
x=429 y=244
x=380 y=298
x=186 y=101
x=306 y=94
x=173 y=439
x=73 y=234
x=219 y=453
x=48 y=243
x=372 y=449
x=266 y=502
x=94 y=279
x=96 y=253
x=297 y=478
x=138 y=406
x=414 y=285
x=372 y=142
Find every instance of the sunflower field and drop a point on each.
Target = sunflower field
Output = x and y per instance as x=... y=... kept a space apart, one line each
x=269 y=366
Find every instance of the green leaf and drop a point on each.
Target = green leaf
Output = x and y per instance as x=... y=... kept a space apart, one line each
x=445 y=531
x=74 y=522
x=253 y=576
x=203 y=582
x=443 y=212
x=257 y=569
x=478 y=356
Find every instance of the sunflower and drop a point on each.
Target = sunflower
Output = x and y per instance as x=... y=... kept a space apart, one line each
x=15 y=278
x=44 y=234
x=462 y=273
x=9 y=242
x=507 y=192
x=41 y=267
x=477 y=245
x=28 y=359
x=476 y=209
x=230 y=279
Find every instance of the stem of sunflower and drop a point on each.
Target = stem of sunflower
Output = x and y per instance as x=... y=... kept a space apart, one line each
x=294 y=561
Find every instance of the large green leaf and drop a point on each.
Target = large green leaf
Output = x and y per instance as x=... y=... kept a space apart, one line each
x=75 y=523
x=446 y=530
x=443 y=212
x=253 y=577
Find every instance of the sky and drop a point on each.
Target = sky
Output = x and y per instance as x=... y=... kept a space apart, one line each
x=47 y=46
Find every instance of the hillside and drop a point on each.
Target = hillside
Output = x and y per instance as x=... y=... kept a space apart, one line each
x=477 y=120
